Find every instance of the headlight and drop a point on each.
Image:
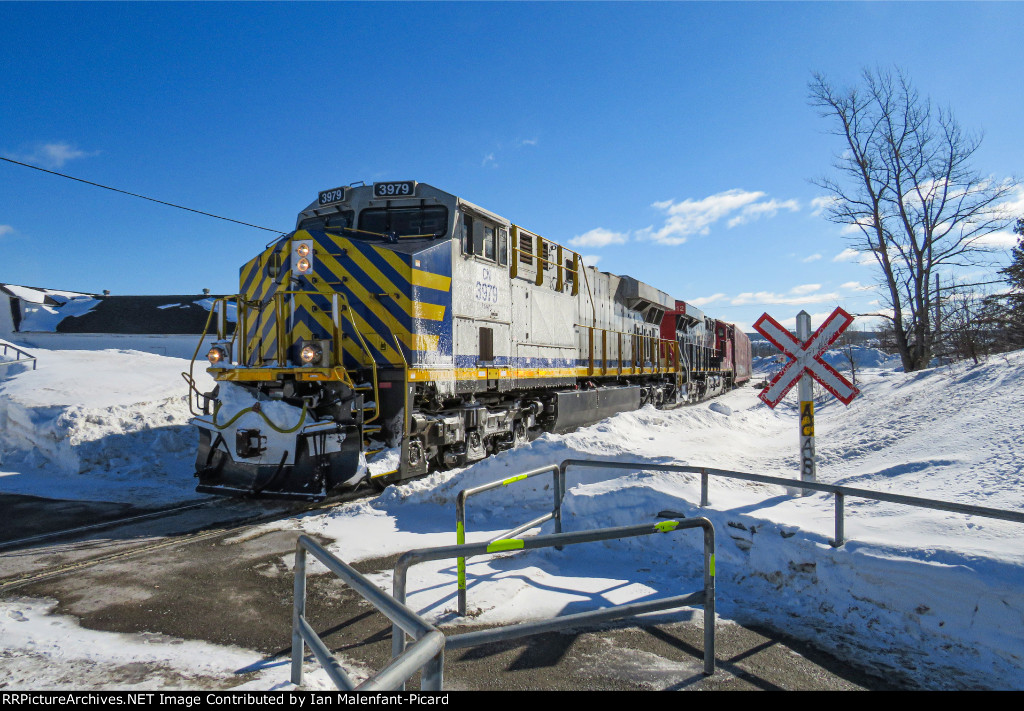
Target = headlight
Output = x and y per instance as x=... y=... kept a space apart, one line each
x=311 y=353
x=303 y=265
x=302 y=250
x=217 y=355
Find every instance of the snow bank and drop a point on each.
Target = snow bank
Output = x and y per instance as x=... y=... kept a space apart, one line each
x=43 y=651
x=108 y=425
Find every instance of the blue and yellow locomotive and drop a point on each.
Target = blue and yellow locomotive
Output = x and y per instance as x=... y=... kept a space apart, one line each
x=398 y=316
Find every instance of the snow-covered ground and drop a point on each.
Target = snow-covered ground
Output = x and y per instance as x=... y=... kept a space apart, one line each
x=931 y=598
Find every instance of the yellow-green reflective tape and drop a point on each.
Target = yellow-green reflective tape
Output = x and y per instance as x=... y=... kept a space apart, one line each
x=513 y=479
x=506 y=544
x=711 y=565
x=460 y=537
x=666 y=526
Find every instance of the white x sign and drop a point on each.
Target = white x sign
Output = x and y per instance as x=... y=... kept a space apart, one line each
x=806 y=357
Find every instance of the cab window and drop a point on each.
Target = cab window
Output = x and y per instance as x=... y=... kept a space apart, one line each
x=335 y=221
x=424 y=221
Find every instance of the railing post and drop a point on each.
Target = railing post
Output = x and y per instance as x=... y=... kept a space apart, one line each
x=709 y=599
x=298 y=613
x=840 y=538
x=703 y=488
x=460 y=539
x=432 y=678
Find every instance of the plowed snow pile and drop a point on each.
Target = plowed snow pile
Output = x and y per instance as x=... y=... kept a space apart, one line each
x=930 y=599
x=108 y=425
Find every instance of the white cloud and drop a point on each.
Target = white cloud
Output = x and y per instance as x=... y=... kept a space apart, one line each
x=5 y=230
x=693 y=217
x=856 y=286
x=54 y=155
x=599 y=237
x=820 y=204
x=527 y=142
x=590 y=260
x=768 y=208
x=1013 y=207
x=767 y=297
x=998 y=240
x=696 y=216
x=812 y=258
x=847 y=255
x=489 y=160
x=805 y=289
x=705 y=300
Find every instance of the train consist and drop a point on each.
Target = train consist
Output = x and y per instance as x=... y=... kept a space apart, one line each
x=399 y=316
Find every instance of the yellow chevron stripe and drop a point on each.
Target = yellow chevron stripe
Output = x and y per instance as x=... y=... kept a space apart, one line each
x=392 y=258
x=247 y=270
x=432 y=312
x=325 y=321
x=431 y=280
x=425 y=342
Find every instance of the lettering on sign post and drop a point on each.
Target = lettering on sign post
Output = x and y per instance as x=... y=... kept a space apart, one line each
x=807 y=461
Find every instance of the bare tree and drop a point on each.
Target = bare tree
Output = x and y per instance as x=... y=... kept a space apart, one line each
x=909 y=194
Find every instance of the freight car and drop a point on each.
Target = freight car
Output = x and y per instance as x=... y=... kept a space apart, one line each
x=399 y=316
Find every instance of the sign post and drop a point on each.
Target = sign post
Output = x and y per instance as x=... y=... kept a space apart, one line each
x=808 y=465
x=805 y=363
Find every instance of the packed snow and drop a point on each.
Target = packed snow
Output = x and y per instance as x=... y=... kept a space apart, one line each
x=927 y=598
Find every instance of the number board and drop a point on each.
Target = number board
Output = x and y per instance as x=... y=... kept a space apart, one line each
x=329 y=197
x=401 y=188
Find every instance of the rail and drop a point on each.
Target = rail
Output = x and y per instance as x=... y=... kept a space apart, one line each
x=460 y=517
x=840 y=492
x=21 y=357
x=705 y=597
x=427 y=653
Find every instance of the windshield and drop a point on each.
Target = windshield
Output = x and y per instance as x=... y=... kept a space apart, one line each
x=422 y=221
x=334 y=221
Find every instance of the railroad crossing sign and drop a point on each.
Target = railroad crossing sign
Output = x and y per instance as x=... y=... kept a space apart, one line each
x=806 y=357
x=804 y=353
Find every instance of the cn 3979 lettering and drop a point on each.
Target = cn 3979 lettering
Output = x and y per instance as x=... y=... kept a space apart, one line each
x=400 y=317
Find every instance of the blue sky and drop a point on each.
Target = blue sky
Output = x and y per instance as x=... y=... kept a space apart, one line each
x=669 y=141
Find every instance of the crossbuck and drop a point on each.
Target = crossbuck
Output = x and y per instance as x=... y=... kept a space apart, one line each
x=806 y=357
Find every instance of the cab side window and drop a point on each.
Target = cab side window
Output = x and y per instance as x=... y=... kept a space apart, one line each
x=502 y=246
x=466 y=236
x=484 y=239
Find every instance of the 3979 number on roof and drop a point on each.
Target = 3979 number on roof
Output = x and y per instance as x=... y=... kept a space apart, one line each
x=401 y=188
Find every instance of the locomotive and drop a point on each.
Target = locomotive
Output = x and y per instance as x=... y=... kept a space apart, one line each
x=400 y=318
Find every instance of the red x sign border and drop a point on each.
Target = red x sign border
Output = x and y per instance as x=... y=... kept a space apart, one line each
x=791 y=348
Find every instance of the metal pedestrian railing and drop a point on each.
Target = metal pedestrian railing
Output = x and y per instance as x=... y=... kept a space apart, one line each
x=840 y=492
x=460 y=517
x=427 y=653
x=705 y=597
x=21 y=357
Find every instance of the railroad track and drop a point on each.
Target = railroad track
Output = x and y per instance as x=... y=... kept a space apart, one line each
x=127 y=550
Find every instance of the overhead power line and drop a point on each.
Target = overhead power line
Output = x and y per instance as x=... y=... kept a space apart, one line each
x=125 y=192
